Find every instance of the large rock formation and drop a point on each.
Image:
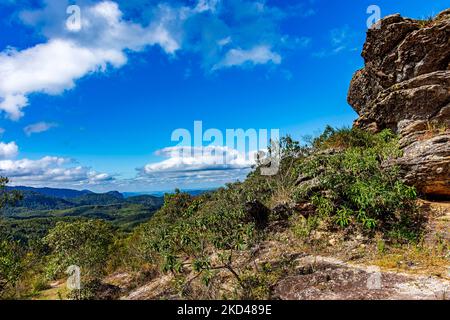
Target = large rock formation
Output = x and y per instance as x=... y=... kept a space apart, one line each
x=405 y=86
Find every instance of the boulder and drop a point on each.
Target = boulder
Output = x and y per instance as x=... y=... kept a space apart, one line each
x=405 y=86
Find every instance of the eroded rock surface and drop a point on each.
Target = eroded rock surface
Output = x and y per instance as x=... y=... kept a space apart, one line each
x=405 y=86
x=322 y=278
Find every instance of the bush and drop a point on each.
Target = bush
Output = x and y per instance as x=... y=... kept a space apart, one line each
x=356 y=183
x=11 y=266
x=7 y=197
x=187 y=230
x=86 y=244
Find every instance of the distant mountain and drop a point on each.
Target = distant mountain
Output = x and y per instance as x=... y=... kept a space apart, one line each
x=192 y=192
x=37 y=201
x=54 y=192
x=108 y=198
x=41 y=208
x=146 y=200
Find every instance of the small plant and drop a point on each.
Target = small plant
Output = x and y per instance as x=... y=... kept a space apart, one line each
x=302 y=227
x=425 y=22
x=381 y=246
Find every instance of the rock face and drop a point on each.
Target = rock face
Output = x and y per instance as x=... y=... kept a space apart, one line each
x=405 y=86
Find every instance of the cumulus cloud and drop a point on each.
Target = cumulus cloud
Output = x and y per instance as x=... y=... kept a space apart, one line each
x=38 y=127
x=256 y=55
x=183 y=180
x=205 y=166
x=211 y=158
x=50 y=171
x=8 y=150
x=49 y=68
x=206 y=27
x=54 y=66
x=47 y=171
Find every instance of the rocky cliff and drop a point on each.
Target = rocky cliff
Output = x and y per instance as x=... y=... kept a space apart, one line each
x=405 y=86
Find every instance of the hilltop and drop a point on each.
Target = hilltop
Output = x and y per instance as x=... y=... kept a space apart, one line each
x=350 y=215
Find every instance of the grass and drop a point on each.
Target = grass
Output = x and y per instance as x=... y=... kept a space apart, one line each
x=414 y=259
x=57 y=292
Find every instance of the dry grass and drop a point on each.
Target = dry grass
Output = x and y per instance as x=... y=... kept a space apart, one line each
x=415 y=260
x=434 y=129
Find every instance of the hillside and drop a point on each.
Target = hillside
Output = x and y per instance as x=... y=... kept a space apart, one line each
x=42 y=199
x=41 y=208
x=345 y=216
x=53 y=192
x=356 y=213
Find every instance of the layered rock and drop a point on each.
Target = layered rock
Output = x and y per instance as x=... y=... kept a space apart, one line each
x=405 y=86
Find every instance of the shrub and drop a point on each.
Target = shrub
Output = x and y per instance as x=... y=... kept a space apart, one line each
x=11 y=266
x=7 y=197
x=85 y=244
x=356 y=184
x=187 y=230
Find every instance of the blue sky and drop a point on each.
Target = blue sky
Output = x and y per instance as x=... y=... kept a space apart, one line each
x=95 y=108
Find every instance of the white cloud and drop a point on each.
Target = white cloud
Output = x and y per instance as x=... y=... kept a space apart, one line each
x=38 y=127
x=257 y=55
x=186 y=167
x=47 y=171
x=8 y=150
x=106 y=36
x=50 y=171
x=54 y=66
x=211 y=158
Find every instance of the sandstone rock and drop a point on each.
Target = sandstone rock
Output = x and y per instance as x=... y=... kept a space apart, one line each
x=426 y=164
x=405 y=86
x=320 y=278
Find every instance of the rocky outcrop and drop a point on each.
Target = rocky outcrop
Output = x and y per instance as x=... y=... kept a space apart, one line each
x=405 y=86
x=322 y=278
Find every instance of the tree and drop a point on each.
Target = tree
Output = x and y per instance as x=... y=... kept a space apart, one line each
x=86 y=244
x=7 y=197
x=11 y=265
x=11 y=253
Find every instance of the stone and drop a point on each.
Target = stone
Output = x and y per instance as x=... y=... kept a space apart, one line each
x=405 y=87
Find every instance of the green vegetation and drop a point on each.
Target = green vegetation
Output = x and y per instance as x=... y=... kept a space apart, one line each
x=347 y=180
x=343 y=180
x=11 y=254
x=7 y=197
x=11 y=266
x=355 y=183
x=86 y=244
